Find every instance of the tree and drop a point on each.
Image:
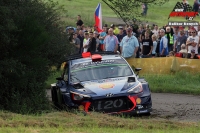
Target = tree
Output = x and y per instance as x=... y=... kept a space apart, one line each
x=31 y=42
x=130 y=10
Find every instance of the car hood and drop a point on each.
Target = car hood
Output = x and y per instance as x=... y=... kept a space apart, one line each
x=105 y=86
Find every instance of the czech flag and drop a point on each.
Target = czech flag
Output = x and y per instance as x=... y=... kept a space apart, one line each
x=98 y=18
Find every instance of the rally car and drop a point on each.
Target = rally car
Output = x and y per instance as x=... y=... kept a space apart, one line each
x=101 y=82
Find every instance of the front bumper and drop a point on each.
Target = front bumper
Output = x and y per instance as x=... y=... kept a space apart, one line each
x=144 y=107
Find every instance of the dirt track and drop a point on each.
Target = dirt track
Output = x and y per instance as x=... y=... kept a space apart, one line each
x=176 y=107
x=173 y=107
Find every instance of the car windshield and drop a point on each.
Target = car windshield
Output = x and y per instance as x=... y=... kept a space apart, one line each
x=99 y=70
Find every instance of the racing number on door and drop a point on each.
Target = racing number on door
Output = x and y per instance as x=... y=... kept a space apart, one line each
x=110 y=104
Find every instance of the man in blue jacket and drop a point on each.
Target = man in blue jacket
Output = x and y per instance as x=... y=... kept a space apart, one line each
x=163 y=44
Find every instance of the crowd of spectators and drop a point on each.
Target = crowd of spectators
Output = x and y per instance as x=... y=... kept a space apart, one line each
x=139 y=41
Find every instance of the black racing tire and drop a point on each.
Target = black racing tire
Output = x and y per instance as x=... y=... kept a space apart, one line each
x=54 y=98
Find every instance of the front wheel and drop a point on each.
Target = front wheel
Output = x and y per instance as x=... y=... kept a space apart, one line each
x=54 y=97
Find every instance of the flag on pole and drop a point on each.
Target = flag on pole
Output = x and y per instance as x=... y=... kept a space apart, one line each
x=98 y=18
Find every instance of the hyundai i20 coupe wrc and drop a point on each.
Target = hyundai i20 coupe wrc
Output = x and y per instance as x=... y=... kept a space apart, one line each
x=101 y=82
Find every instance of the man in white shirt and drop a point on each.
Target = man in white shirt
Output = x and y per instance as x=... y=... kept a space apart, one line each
x=129 y=45
x=192 y=42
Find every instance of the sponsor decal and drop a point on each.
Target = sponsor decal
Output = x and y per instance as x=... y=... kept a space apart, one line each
x=109 y=62
x=140 y=106
x=94 y=82
x=143 y=111
x=106 y=86
x=194 y=23
x=108 y=80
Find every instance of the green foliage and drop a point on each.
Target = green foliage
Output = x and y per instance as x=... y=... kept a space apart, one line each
x=32 y=40
x=130 y=10
x=180 y=82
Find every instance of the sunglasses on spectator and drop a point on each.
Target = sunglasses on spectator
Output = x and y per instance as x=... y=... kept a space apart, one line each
x=193 y=32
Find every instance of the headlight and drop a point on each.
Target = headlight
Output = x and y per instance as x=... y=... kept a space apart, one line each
x=136 y=89
x=78 y=97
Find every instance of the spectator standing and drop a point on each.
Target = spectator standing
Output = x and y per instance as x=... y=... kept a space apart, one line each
x=86 y=42
x=96 y=34
x=111 y=42
x=120 y=36
x=163 y=44
x=170 y=38
x=92 y=43
x=101 y=39
x=155 y=30
x=158 y=44
x=154 y=45
x=140 y=30
x=179 y=41
x=76 y=43
x=192 y=43
x=196 y=6
x=176 y=34
x=81 y=38
x=135 y=28
x=144 y=8
x=147 y=46
x=79 y=22
x=70 y=34
x=129 y=45
x=147 y=28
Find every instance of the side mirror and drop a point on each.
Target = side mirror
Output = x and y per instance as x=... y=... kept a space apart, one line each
x=137 y=71
x=59 y=78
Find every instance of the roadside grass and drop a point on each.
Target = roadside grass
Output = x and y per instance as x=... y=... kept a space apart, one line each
x=156 y=14
x=180 y=82
x=76 y=122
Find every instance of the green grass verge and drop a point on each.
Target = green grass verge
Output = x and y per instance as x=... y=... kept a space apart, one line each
x=156 y=14
x=182 y=82
x=65 y=122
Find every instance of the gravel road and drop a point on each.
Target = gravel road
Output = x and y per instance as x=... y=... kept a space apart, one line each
x=179 y=107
